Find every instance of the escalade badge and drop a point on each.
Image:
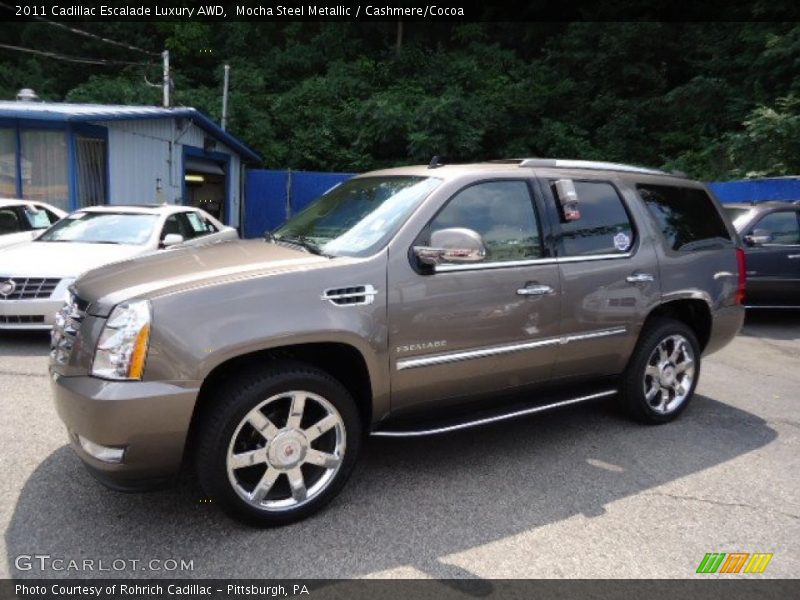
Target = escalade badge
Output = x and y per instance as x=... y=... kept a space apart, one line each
x=421 y=346
x=7 y=288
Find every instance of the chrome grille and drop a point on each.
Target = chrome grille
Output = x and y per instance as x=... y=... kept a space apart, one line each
x=65 y=330
x=21 y=319
x=27 y=288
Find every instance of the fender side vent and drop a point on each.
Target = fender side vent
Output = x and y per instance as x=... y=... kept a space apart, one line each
x=350 y=296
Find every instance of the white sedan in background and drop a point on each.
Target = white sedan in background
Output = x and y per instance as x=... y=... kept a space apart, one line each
x=22 y=220
x=35 y=275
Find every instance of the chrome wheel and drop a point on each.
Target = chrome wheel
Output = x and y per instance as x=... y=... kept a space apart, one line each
x=669 y=374
x=286 y=451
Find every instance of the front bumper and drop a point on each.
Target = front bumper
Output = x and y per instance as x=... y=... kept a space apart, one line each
x=150 y=420
x=28 y=314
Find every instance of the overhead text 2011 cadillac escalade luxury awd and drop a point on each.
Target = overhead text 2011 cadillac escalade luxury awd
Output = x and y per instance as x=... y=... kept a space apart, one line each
x=408 y=301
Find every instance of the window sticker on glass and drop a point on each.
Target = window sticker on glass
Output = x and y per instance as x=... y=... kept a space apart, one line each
x=622 y=242
x=195 y=221
x=37 y=218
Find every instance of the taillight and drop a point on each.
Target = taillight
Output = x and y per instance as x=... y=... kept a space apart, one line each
x=740 y=262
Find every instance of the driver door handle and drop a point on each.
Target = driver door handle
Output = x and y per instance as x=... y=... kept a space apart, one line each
x=535 y=290
x=640 y=278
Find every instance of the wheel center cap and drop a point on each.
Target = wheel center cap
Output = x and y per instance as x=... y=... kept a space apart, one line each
x=287 y=449
x=668 y=375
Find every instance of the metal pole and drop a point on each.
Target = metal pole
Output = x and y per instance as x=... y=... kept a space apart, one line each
x=165 y=56
x=225 y=96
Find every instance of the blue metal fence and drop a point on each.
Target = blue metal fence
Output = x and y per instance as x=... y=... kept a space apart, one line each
x=757 y=190
x=274 y=196
x=271 y=197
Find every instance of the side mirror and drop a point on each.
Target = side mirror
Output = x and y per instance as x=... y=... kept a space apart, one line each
x=456 y=245
x=758 y=237
x=171 y=239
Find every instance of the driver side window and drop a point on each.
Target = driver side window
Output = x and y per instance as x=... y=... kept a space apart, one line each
x=782 y=228
x=502 y=213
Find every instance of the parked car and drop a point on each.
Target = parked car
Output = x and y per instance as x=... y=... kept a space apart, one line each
x=22 y=220
x=403 y=302
x=35 y=275
x=771 y=234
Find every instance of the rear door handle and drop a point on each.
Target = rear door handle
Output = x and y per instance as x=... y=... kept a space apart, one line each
x=535 y=290
x=794 y=256
x=640 y=278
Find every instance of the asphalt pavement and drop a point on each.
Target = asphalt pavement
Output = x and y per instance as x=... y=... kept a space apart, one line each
x=575 y=493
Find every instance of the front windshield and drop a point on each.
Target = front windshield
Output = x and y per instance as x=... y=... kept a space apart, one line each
x=102 y=228
x=736 y=215
x=357 y=217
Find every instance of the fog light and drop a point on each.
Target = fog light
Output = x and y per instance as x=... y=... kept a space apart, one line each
x=104 y=453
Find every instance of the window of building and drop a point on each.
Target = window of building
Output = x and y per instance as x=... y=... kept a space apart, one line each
x=44 y=166
x=8 y=163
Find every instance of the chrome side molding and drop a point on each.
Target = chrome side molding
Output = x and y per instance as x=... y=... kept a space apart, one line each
x=495 y=419
x=450 y=357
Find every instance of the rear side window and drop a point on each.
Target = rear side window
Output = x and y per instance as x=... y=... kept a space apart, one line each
x=687 y=216
x=604 y=226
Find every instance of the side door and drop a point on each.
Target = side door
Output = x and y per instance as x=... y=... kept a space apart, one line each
x=609 y=278
x=458 y=330
x=773 y=267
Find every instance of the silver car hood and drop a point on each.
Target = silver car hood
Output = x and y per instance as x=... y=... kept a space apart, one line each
x=61 y=259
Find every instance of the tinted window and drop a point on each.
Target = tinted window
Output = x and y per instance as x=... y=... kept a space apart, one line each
x=603 y=227
x=687 y=216
x=9 y=222
x=502 y=212
x=782 y=228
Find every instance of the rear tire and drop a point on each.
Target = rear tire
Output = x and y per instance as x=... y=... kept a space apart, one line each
x=279 y=444
x=662 y=374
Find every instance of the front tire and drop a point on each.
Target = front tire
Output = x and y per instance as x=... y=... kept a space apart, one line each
x=662 y=375
x=279 y=444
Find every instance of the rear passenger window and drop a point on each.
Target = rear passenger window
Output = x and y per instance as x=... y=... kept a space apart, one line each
x=604 y=226
x=502 y=212
x=687 y=216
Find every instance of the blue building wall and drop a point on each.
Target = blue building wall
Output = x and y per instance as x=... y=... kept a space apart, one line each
x=757 y=190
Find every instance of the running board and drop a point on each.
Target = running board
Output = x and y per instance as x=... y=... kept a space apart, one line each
x=494 y=419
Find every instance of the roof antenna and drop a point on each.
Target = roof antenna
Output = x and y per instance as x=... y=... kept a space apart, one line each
x=435 y=162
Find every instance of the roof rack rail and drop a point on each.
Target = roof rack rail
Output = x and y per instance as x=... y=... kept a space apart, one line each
x=584 y=164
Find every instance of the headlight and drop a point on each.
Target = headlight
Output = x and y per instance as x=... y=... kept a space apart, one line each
x=122 y=347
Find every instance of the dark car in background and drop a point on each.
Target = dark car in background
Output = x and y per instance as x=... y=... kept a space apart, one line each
x=771 y=235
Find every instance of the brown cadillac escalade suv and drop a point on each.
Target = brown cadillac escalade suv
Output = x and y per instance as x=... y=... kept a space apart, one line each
x=404 y=302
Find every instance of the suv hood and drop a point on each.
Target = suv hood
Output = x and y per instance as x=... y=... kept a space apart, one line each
x=61 y=259
x=184 y=267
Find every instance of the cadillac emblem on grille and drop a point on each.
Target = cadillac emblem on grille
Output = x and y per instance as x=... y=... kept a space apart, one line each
x=7 y=288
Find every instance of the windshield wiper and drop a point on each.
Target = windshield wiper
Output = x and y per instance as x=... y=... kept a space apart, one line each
x=301 y=241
